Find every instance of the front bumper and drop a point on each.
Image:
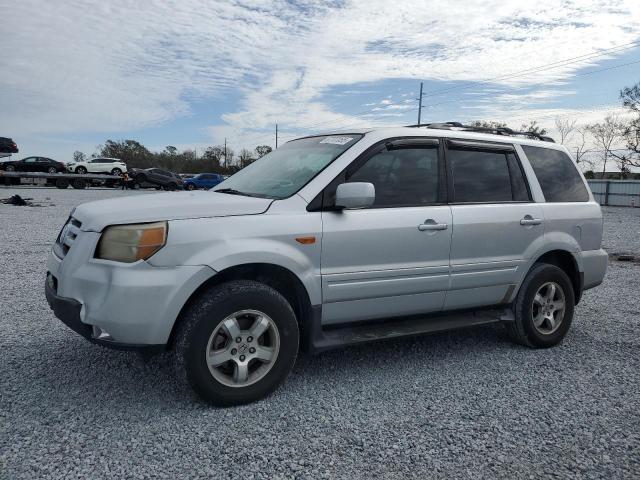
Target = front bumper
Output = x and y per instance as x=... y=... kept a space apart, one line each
x=116 y=304
x=68 y=311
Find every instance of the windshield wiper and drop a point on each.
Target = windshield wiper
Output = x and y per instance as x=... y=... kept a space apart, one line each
x=232 y=191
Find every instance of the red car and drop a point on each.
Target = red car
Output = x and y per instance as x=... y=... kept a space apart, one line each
x=7 y=145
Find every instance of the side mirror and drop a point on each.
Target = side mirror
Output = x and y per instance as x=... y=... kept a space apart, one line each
x=355 y=195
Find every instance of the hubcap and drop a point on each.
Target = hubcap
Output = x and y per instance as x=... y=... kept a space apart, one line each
x=243 y=348
x=548 y=308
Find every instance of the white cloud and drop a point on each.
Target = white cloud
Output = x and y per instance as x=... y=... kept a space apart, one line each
x=117 y=65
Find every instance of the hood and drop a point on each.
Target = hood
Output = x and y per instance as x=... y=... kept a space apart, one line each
x=95 y=216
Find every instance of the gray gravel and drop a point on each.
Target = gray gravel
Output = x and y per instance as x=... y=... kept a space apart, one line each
x=465 y=404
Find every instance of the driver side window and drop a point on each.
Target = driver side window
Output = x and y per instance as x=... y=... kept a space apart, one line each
x=402 y=177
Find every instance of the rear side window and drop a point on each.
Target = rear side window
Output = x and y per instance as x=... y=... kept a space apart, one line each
x=557 y=175
x=484 y=176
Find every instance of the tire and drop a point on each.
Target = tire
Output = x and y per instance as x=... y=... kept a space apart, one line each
x=116 y=171
x=53 y=170
x=62 y=183
x=140 y=178
x=10 y=168
x=206 y=316
x=81 y=170
x=79 y=183
x=191 y=186
x=527 y=308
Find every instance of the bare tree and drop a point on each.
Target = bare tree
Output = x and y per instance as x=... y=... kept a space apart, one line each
x=580 y=149
x=246 y=157
x=630 y=97
x=606 y=134
x=565 y=127
x=533 y=127
x=79 y=156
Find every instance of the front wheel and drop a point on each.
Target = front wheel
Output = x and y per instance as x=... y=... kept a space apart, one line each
x=543 y=308
x=237 y=343
x=116 y=171
x=191 y=186
x=10 y=168
x=53 y=170
x=81 y=170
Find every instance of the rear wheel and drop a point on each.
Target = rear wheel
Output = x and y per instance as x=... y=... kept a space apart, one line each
x=237 y=343
x=116 y=171
x=62 y=183
x=81 y=170
x=79 y=183
x=543 y=308
x=191 y=186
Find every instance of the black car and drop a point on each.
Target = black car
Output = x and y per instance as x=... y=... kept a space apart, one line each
x=34 y=164
x=7 y=145
x=155 y=177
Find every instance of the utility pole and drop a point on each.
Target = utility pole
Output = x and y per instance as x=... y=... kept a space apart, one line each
x=225 y=152
x=420 y=104
x=276 y=135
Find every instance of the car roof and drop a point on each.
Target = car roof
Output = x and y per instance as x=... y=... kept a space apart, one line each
x=445 y=133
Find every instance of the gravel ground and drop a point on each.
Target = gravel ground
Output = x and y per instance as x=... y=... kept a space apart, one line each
x=464 y=404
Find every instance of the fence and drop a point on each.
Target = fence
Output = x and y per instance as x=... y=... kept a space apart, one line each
x=619 y=193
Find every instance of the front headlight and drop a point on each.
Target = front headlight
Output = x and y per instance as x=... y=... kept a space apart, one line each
x=130 y=243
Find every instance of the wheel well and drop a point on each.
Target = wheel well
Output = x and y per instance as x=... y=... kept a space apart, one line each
x=282 y=280
x=564 y=260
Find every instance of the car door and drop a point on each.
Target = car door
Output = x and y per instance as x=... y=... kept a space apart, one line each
x=99 y=165
x=29 y=164
x=496 y=225
x=391 y=259
x=47 y=163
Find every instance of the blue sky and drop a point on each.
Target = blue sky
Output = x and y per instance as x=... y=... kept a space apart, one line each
x=193 y=72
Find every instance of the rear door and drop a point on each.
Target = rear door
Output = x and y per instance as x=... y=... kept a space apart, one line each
x=496 y=225
x=391 y=259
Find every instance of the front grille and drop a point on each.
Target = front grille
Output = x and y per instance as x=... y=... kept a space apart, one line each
x=67 y=236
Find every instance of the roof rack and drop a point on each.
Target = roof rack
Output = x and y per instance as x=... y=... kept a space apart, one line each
x=492 y=130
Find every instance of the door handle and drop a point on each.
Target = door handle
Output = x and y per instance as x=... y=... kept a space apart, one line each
x=431 y=225
x=529 y=220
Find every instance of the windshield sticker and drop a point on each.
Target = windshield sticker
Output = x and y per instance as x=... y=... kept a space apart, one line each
x=336 y=140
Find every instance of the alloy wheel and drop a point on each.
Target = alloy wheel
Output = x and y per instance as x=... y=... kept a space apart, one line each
x=548 y=308
x=243 y=348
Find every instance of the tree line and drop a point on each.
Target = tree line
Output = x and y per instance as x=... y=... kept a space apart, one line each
x=213 y=159
x=614 y=140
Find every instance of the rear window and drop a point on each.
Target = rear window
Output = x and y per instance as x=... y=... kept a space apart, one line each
x=557 y=175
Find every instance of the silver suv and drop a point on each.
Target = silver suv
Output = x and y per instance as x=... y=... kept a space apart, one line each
x=334 y=240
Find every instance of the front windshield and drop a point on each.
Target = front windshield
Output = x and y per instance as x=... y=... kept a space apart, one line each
x=286 y=170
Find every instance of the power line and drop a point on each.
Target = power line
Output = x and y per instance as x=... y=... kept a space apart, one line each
x=538 y=69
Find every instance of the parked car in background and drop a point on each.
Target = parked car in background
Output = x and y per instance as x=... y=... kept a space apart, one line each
x=203 y=180
x=7 y=146
x=114 y=166
x=34 y=164
x=156 y=177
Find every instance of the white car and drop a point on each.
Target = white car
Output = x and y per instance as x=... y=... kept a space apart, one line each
x=114 y=166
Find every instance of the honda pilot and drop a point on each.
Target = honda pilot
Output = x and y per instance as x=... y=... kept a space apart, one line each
x=335 y=240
